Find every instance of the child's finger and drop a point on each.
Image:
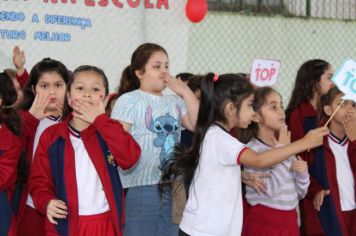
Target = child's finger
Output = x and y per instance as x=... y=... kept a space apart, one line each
x=258 y=190
x=261 y=187
x=275 y=141
x=77 y=106
x=317 y=203
x=60 y=204
x=58 y=216
x=42 y=97
x=50 y=218
x=60 y=213
x=36 y=99
x=323 y=131
x=263 y=175
x=79 y=116
x=46 y=101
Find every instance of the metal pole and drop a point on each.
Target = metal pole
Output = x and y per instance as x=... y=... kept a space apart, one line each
x=308 y=8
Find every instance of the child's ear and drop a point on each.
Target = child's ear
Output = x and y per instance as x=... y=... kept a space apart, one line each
x=230 y=109
x=106 y=100
x=327 y=110
x=69 y=98
x=256 y=117
x=139 y=74
x=33 y=90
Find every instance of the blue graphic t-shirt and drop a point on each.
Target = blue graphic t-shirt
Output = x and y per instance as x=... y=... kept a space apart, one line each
x=156 y=122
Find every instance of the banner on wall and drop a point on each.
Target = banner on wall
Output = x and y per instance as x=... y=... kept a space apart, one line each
x=98 y=32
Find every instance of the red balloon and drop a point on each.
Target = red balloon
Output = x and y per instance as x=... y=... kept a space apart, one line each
x=196 y=10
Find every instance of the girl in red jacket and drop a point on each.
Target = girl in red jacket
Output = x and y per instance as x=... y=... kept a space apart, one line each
x=9 y=153
x=74 y=179
x=312 y=81
x=334 y=168
x=42 y=106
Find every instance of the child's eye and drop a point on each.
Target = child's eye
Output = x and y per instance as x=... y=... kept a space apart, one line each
x=44 y=86
x=59 y=85
x=96 y=89
x=79 y=88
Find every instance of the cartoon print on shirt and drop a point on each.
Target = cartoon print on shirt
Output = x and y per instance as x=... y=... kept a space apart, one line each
x=167 y=129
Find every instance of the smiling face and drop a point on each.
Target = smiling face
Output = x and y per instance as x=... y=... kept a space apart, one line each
x=151 y=79
x=271 y=114
x=53 y=85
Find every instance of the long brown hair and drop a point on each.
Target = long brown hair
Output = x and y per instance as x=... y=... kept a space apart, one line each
x=306 y=83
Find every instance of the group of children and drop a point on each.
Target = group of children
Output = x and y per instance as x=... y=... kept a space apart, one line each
x=68 y=168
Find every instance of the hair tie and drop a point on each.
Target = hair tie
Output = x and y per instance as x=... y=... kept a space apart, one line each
x=8 y=107
x=216 y=77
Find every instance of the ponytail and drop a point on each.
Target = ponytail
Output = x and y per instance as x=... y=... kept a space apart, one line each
x=128 y=82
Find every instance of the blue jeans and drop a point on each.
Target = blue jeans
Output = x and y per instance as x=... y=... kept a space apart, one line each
x=148 y=212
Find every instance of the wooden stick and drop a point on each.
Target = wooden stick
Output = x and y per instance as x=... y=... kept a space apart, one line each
x=334 y=113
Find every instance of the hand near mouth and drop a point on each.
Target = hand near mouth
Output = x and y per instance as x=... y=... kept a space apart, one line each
x=88 y=110
x=284 y=136
x=39 y=108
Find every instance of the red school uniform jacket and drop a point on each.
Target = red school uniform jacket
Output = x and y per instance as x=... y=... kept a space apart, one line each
x=323 y=169
x=53 y=168
x=28 y=129
x=301 y=120
x=9 y=157
x=22 y=79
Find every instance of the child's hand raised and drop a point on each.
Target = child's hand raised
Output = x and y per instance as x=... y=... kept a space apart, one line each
x=299 y=165
x=18 y=58
x=284 y=136
x=88 y=109
x=177 y=85
x=39 y=105
x=56 y=209
x=314 y=138
x=350 y=127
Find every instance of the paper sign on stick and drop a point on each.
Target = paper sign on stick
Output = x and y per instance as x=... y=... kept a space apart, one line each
x=264 y=72
x=345 y=79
